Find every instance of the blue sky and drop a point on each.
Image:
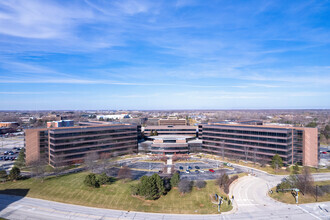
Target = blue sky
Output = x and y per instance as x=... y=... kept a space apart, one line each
x=181 y=54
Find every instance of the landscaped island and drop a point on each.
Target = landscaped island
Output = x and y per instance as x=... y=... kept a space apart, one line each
x=117 y=195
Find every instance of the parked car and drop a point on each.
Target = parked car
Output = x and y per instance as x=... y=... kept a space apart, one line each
x=181 y=167
x=189 y=168
x=196 y=171
x=202 y=171
x=211 y=170
x=187 y=171
x=5 y=153
x=197 y=167
x=324 y=152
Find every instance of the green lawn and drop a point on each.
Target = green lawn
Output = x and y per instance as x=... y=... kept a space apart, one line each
x=70 y=189
x=286 y=197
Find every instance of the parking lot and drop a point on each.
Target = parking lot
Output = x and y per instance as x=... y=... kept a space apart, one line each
x=9 y=150
x=203 y=170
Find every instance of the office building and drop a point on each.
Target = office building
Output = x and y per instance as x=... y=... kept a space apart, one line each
x=173 y=122
x=59 y=124
x=62 y=146
x=261 y=143
x=171 y=130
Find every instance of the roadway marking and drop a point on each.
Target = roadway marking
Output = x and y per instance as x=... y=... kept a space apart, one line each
x=308 y=212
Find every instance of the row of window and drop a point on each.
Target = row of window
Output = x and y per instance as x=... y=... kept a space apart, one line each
x=226 y=130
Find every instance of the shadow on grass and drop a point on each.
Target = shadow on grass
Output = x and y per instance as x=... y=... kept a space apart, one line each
x=9 y=196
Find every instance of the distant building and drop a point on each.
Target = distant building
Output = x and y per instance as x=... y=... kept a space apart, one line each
x=52 y=117
x=113 y=117
x=171 y=130
x=172 y=122
x=9 y=125
x=59 y=124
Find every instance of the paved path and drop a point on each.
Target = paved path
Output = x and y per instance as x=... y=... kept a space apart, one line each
x=252 y=202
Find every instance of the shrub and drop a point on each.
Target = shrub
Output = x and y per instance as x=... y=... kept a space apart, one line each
x=295 y=169
x=134 y=190
x=14 y=173
x=3 y=174
x=227 y=185
x=200 y=184
x=185 y=186
x=91 y=181
x=175 y=179
x=222 y=180
x=103 y=179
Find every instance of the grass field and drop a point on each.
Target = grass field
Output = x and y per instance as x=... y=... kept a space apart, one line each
x=286 y=197
x=70 y=189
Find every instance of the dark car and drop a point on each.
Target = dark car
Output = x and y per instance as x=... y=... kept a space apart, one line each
x=197 y=167
x=196 y=171
x=211 y=170
x=181 y=168
x=189 y=168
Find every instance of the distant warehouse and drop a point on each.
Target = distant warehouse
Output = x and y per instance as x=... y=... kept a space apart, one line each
x=70 y=145
x=261 y=143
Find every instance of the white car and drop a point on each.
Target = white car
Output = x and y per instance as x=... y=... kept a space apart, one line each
x=202 y=171
x=187 y=171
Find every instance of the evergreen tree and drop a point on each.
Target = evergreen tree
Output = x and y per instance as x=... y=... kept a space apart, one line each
x=295 y=169
x=20 y=162
x=277 y=161
x=14 y=173
x=103 y=179
x=149 y=187
x=91 y=181
x=3 y=174
x=175 y=180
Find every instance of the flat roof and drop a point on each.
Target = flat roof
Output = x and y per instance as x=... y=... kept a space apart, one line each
x=171 y=137
x=259 y=126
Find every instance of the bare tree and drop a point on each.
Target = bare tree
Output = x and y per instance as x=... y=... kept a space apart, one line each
x=90 y=160
x=185 y=186
x=125 y=173
x=104 y=160
x=254 y=155
x=246 y=152
x=306 y=181
x=58 y=163
x=38 y=167
x=223 y=149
